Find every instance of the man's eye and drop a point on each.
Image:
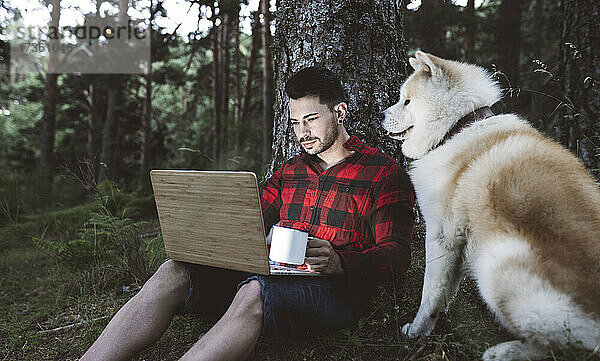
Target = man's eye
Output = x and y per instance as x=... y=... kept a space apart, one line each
x=311 y=119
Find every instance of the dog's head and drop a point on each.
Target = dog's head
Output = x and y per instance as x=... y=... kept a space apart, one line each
x=433 y=99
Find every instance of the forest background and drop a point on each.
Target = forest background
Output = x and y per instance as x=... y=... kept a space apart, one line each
x=78 y=227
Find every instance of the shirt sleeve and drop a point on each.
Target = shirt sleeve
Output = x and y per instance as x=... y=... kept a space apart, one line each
x=270 y=200
x=391 y=224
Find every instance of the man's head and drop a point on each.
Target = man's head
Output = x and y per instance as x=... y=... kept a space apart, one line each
x=317 y=108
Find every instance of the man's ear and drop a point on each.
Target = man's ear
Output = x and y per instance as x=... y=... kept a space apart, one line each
x=340 y=111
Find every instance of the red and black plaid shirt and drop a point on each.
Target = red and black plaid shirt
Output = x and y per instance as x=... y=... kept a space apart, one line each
x=363 y=206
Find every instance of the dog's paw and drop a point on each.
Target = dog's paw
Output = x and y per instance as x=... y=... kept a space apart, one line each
x=412 y=332
x=515 y=350
x=406 y=329
x=416 y=329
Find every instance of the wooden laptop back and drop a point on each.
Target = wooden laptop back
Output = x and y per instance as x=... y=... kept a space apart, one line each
x=211 y=218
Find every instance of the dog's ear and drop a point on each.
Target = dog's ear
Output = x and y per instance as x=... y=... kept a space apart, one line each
x=414 y=63
x=425 y=62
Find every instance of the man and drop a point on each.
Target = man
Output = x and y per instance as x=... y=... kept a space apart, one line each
x=355 y=203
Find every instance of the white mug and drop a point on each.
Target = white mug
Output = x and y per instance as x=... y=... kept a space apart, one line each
x=288 y=245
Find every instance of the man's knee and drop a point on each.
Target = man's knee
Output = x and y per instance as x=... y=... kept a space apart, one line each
x=170 y=280
x=250 y=300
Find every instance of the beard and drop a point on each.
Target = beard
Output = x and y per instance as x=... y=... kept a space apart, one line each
x=331 y=134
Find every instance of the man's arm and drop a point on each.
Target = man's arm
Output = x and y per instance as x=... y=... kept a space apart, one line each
x=270 y=200
x=391 y=223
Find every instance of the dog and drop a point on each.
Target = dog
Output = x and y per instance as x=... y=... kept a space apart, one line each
x=513 y=208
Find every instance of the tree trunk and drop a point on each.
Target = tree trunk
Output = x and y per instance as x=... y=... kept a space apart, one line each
x=509 y=42
x=107 y=170
x=146 y=124
x=579 y=127
x=236 y=84
x=267 y=87
x=110 y=133
x=225 y=80
x=50 y=95
x=49 y=121
x=250 y=70
x=216 y=78
x=92 y=105
x=362 y=42
x=225 y=48
x=116 y=160
x=92 y=96
x=470 y=30
x=537 y=109
x=147 y=114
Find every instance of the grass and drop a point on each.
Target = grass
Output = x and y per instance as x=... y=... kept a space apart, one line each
x=39 y=294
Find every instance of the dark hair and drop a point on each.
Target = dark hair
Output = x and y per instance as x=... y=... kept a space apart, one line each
x=316 y=81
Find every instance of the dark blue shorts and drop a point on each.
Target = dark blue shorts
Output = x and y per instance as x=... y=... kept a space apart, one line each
x=292 y=305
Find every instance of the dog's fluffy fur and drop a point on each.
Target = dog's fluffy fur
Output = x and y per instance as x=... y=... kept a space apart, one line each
x=500 y=200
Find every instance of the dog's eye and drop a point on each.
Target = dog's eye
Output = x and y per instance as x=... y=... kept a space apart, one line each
x=406 y=102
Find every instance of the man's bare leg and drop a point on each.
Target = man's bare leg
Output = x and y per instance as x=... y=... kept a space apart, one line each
x=234 y=336
x=144 y=318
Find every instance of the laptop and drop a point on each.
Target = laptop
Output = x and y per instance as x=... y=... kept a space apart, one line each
x=213 y=218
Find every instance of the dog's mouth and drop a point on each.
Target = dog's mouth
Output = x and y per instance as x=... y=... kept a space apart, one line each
x=401 y=135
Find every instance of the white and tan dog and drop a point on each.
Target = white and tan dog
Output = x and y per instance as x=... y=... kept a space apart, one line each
x=501 y=201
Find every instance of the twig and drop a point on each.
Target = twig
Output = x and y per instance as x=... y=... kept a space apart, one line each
x=71 y=325
x=417 y=353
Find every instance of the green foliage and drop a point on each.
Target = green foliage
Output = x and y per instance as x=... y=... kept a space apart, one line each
x=25 y=195
x=154 y=252
x=113 y=234
x=125 y=204
x=102 y=238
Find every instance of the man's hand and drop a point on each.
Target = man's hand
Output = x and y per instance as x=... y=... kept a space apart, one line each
x=321 y=257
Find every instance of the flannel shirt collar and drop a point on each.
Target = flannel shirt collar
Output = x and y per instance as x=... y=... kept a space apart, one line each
x=354 y=144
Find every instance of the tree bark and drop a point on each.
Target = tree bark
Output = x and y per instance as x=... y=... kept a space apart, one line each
x=236 y=83
x=146 y=123
x=267 y=87
x=361 y=41
x=50 y=97
x=254 y=47
x=225 y=61
x=92 y=97
x=509 y=40
x=147 y=113
x=579 y=125
x=216 y=78
x=109 y=134
x=92 y=106
x=225 y=80
x=470 y=30
x=49 y=122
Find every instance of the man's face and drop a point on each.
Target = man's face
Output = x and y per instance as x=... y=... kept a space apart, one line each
x=314 y=124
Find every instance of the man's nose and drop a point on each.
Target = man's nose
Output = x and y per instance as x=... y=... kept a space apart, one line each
x=303 y=129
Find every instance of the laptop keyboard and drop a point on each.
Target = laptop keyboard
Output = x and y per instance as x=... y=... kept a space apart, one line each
x=284 y=269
